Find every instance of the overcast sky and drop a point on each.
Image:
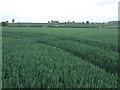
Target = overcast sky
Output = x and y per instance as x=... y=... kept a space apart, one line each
x=61 y=10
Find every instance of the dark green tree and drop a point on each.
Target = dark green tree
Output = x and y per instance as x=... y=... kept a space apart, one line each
x=87 y=22
x=83 y=23
x=13 y=20
x=73 y=22
x=7 y=21
x=4 y=23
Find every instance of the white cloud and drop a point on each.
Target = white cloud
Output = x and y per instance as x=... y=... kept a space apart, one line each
x=106 y=2
x=62 y=10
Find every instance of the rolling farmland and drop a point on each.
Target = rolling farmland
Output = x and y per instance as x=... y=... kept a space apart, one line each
x=39 y=57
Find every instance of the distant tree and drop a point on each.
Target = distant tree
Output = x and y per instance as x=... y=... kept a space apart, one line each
x=68 y=21
x=51 y=21
x=73 y=22
x=48 y=21
x=87 y=22
x=83 y=23
x=103 y=23
x=4 y=23
x=13 y=20
x=7 y=21
x=57 y=21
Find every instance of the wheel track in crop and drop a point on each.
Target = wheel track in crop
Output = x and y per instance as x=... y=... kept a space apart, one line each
x=88 y=42
x=62 y=38
x=74 y=54
x=77 y=55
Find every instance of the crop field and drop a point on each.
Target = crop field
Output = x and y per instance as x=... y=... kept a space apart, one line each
x=39 y=57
